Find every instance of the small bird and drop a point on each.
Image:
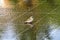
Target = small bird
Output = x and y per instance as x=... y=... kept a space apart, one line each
x=29 y=20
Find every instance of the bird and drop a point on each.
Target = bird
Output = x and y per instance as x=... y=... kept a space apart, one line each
x=29 y=20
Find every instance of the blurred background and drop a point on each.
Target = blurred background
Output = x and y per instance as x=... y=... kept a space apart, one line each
x=46 y=23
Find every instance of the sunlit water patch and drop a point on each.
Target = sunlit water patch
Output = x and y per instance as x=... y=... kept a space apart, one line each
x=9 y=32
x=1 y=2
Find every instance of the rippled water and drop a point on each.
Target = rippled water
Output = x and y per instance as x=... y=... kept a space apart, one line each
x=45 y=25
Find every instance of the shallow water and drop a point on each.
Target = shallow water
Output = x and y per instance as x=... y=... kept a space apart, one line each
x=45 y=25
